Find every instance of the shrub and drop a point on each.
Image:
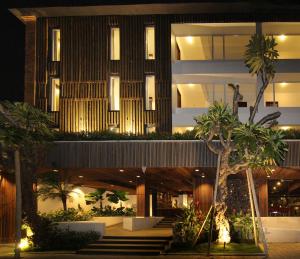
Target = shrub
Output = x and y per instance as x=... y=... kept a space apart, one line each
x=46 y=236
x=70 y=214
x=186 y=228
x=241 y=227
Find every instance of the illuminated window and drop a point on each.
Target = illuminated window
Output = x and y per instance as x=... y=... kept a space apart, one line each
x=54 y=94
x=150 y=42
x=115 y=43
x=150 y=128
x=114 y=93
x=150 y=93
x=56 y=45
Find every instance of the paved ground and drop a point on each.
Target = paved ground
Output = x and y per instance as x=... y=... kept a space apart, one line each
x=277 y=251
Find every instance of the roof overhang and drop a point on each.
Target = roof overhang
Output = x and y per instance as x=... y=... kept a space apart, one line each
x=204 y=7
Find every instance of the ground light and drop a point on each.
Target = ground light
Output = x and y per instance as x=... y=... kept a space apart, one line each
x=25 y=242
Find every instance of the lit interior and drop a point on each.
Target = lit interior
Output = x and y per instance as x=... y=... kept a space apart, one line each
x=115 y=44
x=150 y=93
x=150 y=42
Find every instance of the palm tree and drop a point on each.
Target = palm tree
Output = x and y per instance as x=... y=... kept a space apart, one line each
x=22 y=127
x=56 y=185
x=243 y=145
x=94 y=197
x=115 y=196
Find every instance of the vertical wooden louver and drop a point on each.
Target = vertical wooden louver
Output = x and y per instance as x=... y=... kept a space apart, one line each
x=85 y=68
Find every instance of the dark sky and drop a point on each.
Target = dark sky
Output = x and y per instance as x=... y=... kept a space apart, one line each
x=12 y=56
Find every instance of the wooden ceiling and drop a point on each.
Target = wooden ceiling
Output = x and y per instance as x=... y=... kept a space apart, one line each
x=172 y=180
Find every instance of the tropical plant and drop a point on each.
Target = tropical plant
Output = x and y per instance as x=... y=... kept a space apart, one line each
x=94 y=197
x=23 y=130
x=108 y=211
x=242 y=226
x=115 y=196
x=70 y=214
x=243 y=145
x=56 y=185
x=186 y=228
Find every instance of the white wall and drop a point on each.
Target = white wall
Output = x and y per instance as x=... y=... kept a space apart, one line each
x=78 y=199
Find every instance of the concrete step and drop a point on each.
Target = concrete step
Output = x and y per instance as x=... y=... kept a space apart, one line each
x=127 y=246
x=139 y=237
x=115 y=251
x=128 y=241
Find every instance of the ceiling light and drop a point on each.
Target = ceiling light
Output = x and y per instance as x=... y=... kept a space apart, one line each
x=278 y=183
x=274 y=188
x=196 y=170
x=121 y=170
x=190 y=39
x=130 y=181
x=203 y=175
x=55 y=170
x=283 y=84
x=80 y=176
x=282 y=37
x=268 y=176
x=273 y=170
x=138 y=176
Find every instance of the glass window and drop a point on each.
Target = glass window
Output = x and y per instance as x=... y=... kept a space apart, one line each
x=114 y=93
x=288 y=46
x=150 y=42
x=284 y=198
x=150 y=93
x=115 y=43
x=56 y=45
x=54 y=94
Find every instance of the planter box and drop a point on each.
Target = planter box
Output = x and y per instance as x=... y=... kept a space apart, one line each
x=83 y=226
x=109 y=221
x=137 y=223
x=281 y=229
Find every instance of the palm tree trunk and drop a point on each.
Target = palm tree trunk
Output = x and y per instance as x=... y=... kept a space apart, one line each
x=64 y=202
x=18 y=202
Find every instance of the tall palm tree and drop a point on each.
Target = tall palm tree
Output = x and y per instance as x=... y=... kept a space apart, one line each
x=21 y=127
x=56 y=185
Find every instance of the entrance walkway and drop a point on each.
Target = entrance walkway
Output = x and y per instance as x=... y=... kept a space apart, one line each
x=117 y=230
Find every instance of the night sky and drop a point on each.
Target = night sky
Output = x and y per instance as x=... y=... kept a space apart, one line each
x=13 y=31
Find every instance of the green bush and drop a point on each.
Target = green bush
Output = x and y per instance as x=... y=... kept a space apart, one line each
x=108 y=211
x=241 y=227
x=70 y=214
x=187 y=226
x=46 y=236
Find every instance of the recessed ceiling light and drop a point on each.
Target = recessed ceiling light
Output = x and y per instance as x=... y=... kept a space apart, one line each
x=55 y=170
x=268 y=176
x=121 y=170
x=80 y=176
x=196 y=170
x=203 y=175
x=130 y=181
x=282 y=37
x=138 y=176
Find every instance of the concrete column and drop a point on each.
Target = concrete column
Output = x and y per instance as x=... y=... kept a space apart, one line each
x=202 y=193
x=142 y=198
x=30 y=59
x=263 y=199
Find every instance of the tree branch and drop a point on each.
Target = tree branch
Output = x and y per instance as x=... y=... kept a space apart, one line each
x=270 y=117
x=237 y=97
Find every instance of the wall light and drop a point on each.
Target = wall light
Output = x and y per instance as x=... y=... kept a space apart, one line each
x=283 y=84
x=190 y=39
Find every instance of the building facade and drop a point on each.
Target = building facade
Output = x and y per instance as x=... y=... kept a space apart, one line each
x=140 y=68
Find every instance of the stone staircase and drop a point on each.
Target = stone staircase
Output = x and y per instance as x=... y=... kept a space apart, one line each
x=165 y=223
x=129 y=245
